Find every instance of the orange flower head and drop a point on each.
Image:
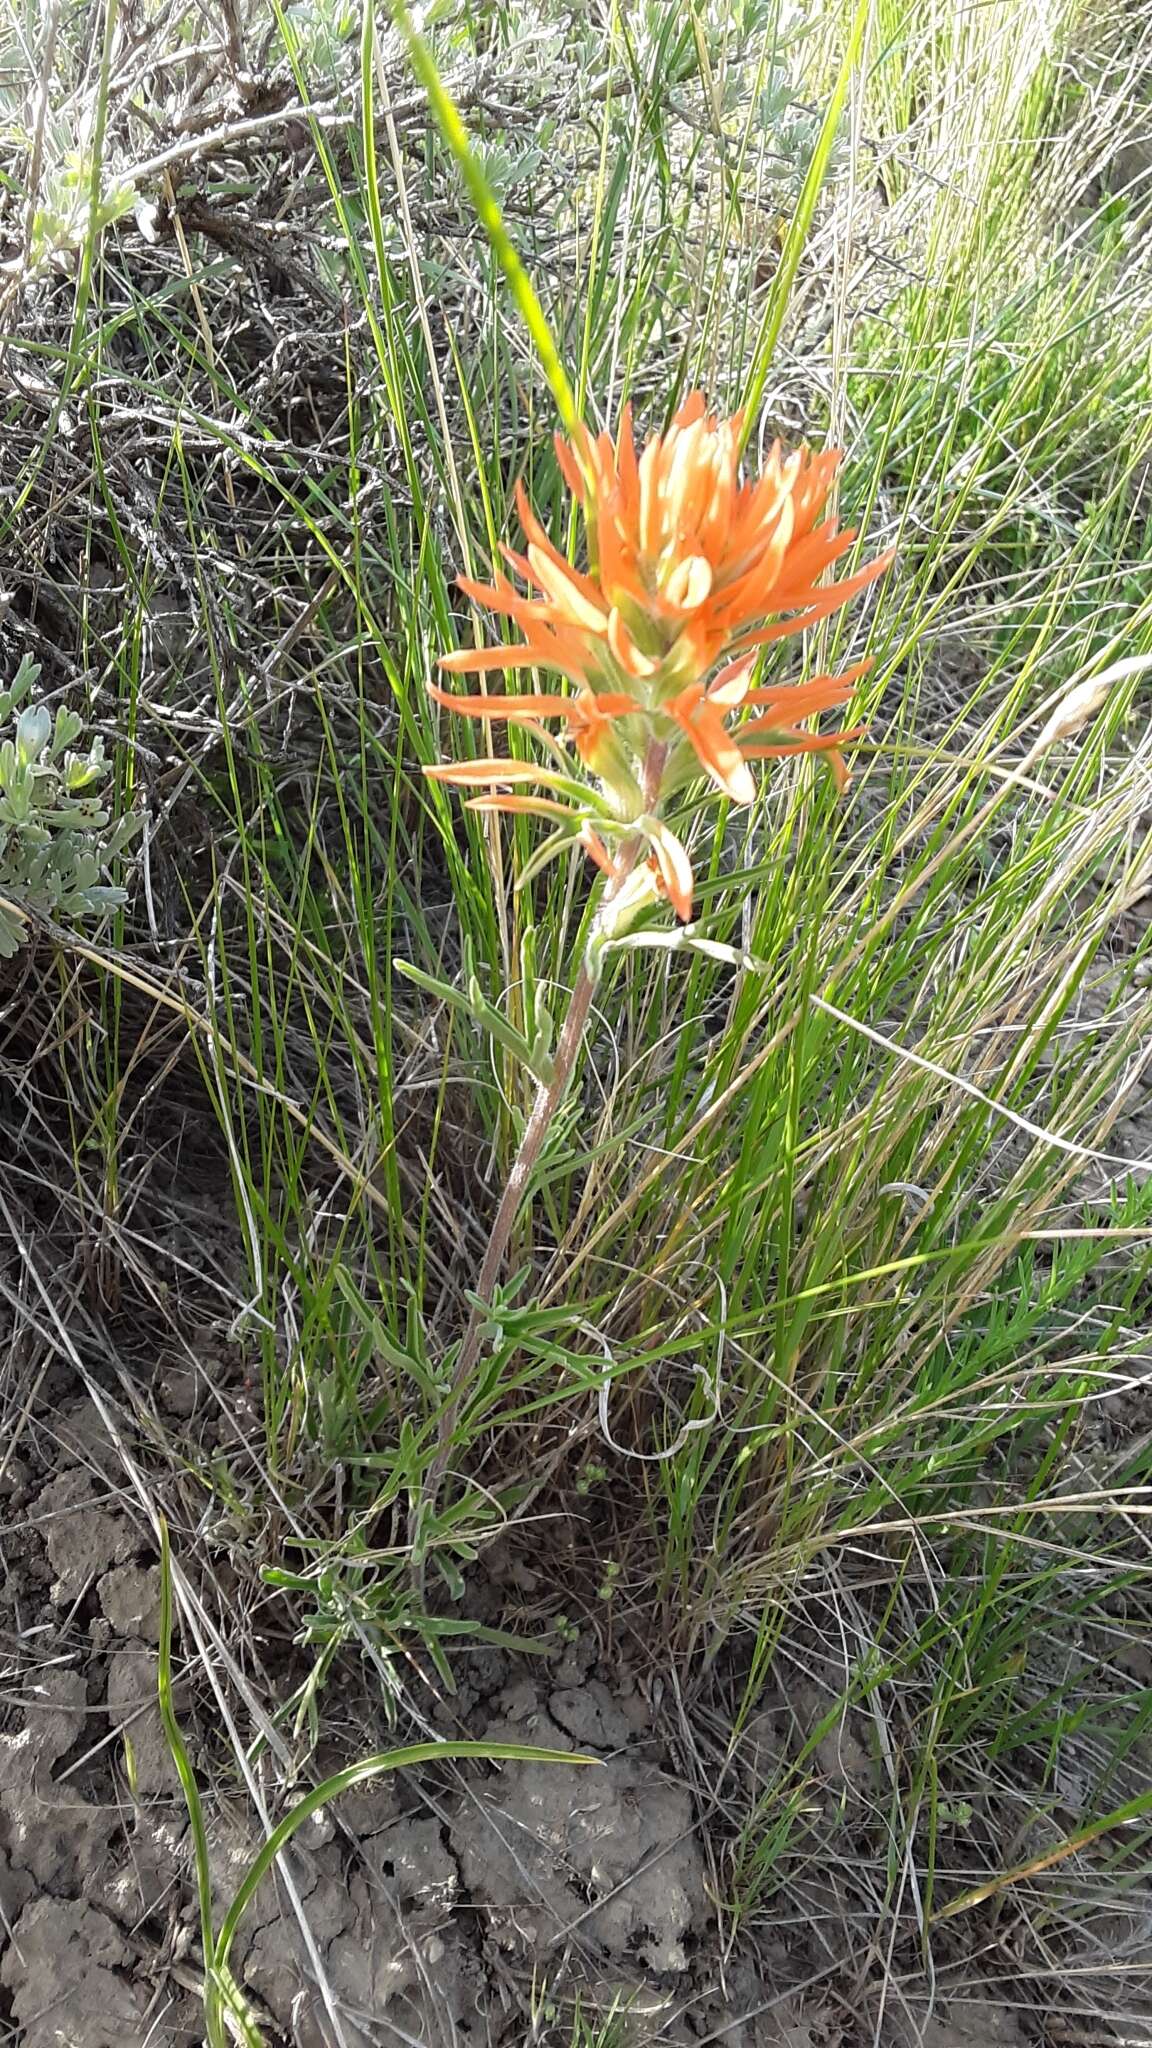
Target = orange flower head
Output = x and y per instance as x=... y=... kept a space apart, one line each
x=692 y=565
x=692 y=559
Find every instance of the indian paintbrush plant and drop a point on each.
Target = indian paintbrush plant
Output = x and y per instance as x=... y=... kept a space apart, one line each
x=693 y=570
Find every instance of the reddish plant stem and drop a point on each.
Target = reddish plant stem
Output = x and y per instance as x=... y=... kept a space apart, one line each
x=548 y=1099
x=549 y=1096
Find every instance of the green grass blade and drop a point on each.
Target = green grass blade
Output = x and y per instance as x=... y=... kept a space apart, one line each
x=359 y=1774
x=524 y=295
x=795 y=240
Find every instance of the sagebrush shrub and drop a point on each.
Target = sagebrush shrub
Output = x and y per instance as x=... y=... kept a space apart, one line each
x=57 y=835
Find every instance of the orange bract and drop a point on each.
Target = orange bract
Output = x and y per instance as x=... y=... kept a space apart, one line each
x=690 y=558
x=690 y=565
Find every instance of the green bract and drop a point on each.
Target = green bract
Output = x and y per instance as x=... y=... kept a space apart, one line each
x=57 y=837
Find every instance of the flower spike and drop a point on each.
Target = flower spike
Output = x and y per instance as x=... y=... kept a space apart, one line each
x=693 y=569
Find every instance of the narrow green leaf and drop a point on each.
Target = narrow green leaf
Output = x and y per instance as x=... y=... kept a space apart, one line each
x=488 y=213
x=359 y=1774
x=781 y=289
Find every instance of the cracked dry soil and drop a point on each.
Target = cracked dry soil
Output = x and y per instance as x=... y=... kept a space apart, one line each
x=438 y=1910
x=455 y=1906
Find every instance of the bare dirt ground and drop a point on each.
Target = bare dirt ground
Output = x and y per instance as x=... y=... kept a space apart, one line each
x=517 y=1903
x=441 y=1909
x=450 y=1906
